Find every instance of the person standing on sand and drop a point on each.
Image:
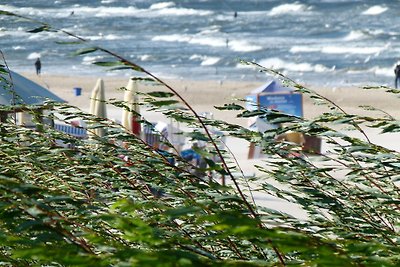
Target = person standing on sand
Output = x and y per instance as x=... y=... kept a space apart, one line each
x=38 y=66
x=397 y=73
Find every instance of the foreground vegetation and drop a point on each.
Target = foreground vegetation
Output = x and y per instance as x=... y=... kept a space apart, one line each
x=83 y=205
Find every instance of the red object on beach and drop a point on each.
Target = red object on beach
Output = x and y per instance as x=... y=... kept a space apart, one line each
x=136 y=127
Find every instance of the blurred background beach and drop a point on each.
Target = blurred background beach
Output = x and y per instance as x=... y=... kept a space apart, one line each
x=333 y=47
x=331 y=43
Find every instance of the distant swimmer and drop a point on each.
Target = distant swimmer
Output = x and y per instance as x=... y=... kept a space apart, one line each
x=235 y=14
x=72 y=13
x=397 y=77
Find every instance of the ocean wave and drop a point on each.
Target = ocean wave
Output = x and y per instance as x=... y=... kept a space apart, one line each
x=303 y=49
x=162 y=5
x=18 y=47
x=356 y=35
x=103 y=11
x=145 y=57
x=183 y=38
x=243 y=46
x=208 y=41
x=353 y=50
x=88 y=60
x=279 y=64
x=205 y=60
x=108 y=37
x=172 y=38
x=340 y=49
x=182 y=12
x=211 y=30
x=382 y=71
x=107 y=11
x=375 y=10
x=200 y=39
x=33 y=55
x=284 y=9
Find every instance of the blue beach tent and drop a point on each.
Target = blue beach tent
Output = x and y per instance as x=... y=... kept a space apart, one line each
x=271 y=87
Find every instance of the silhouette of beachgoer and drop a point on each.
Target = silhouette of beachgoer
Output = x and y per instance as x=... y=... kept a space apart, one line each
x=235 y=14
x=397 y=77
x=38 y=66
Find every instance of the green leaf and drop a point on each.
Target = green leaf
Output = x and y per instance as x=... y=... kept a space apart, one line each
x=108 y=63
x=161 y=94
x=254 y=113
x=85 y=51
x=122 y=68
x=164 y=103
x=230 y=107
x=3 y=71
x=68 y=42
x=7 y=13
x=181 y=211
x=40 y=29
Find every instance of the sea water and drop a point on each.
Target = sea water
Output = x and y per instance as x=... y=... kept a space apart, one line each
x=323 y=42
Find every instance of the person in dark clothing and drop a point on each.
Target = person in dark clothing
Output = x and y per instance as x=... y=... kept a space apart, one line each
x=397 y=77
x=38 y=66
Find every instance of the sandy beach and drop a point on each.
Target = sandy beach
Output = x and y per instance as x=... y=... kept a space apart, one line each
x=204 y=95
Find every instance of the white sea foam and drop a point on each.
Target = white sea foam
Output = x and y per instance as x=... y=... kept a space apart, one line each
x=107 y=1
x=356 y=35
x=109 y=37
x=18 y=47
x=162 y=5
x=193 y=39
x=208 y=41
x=304 y=49
x=103 y=11
x=172 y=38
x=352 y=50
x=169 y=8
x=208 y=61
x=279 y=64
x=375 y=10
x=288 y=9
x=243 y=46
x=87 y=60
x=339 y=49
x=182 y=12
x=100 y=11
x=145 y=57
x=200 y=39
x=211 y=30
x=33 y=55
x=383 y=71
x=205 y=60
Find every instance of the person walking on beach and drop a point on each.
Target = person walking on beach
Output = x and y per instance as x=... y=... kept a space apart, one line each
x=38 y=66
x=397 y=73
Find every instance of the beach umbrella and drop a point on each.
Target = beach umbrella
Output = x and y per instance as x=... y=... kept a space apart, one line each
x=98 y=105
x=130 y=120
x=24 y=119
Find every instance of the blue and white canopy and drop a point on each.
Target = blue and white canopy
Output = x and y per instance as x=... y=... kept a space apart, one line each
x=19 y=90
